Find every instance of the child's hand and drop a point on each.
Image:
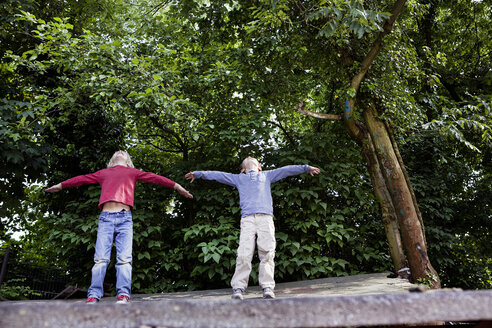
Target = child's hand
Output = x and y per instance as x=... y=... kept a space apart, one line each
x=314 y=170
x=182 y=191
x=54 y=188
x=190 y=176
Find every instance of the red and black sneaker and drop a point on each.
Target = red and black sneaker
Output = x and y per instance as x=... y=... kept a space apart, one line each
x=122 y=299
x=92 y=300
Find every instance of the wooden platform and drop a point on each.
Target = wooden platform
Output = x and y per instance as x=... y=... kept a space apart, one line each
x=364 y=284
x=357 y=301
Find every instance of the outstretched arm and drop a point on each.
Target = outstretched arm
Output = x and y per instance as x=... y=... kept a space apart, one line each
x=182 y=191
x=222 y=177
x=289 y=170
x=163 y=181
x=80 y=180
x=54 y=188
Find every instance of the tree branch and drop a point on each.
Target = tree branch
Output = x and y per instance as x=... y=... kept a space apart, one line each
x=356 y=129
x=162 y=149
x=153 y=136
x=302 y=110
x=291 y=140
x=365 y=64
x=376 y=46
x=158 y=7
x=164 y=128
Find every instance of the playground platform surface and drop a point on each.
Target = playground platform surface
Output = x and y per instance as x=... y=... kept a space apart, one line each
x=368 y=300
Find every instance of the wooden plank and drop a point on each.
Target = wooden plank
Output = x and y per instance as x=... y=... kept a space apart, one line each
x=336 y=311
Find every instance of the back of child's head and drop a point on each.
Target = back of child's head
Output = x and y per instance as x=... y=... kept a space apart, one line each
x=250 y=163
x=115 y=161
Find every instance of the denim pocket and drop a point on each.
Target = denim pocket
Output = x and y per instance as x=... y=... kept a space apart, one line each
x=106 y=217
x=126 y=219
x=126 y=214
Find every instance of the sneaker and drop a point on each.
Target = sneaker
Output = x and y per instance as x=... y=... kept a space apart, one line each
x=122 y=299
x=268 y=293
x=92 y=300
x=237 y=294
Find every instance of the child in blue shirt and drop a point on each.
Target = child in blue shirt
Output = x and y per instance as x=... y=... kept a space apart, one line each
x=255 y=200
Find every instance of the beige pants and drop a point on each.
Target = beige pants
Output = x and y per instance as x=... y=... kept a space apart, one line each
x=259 y=229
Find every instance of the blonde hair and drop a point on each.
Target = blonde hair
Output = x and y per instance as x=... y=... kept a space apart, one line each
x=249 y=163
x=128 y=162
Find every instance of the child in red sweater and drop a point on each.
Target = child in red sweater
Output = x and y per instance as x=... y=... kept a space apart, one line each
x=117 y=183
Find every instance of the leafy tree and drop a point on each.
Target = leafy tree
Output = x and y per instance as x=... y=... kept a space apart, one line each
x=195 y=85
x=27 y=100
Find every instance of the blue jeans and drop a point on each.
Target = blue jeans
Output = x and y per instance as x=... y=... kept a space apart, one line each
x=117 y=226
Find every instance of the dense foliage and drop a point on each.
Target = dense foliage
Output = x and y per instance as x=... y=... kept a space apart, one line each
x=199 y=85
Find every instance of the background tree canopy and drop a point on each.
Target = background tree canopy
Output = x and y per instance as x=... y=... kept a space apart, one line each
x=199 y=85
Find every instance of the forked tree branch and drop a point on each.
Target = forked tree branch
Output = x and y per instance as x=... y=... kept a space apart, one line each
x=354 y=128
x=376 y=46
x=365 y=65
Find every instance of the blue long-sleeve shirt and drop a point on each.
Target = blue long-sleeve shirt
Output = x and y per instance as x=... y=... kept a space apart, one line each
x=255 y=195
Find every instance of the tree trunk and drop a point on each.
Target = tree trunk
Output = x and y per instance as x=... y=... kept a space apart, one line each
x=406 y=210
x=3 y=272
x=405 y=174
x=387 y=210
x=396 y=184
x=395 y=196
x=388 y=214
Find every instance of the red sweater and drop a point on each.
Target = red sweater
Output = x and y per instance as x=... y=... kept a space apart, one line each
x=117 y=183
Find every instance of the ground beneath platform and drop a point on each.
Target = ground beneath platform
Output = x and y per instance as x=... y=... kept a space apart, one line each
x=371 y=300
